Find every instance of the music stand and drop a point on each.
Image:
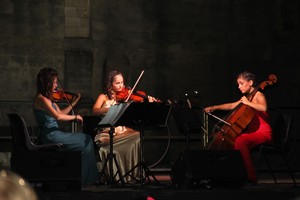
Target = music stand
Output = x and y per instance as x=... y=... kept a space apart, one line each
x=188 y=122
x=141 y=114
x=109 y=120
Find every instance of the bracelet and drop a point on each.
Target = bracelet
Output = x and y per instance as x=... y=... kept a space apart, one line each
x=75 y=117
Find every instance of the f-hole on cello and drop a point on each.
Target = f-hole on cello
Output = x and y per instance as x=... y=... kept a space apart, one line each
x=223 y=137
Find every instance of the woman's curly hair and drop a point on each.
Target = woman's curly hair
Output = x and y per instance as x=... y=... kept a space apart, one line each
x=45 y=80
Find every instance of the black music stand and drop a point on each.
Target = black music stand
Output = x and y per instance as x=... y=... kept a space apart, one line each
x=139 y=114
x=109 y=120
x=188 y=122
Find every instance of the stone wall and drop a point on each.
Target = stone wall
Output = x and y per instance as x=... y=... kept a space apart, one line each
x=183 y=46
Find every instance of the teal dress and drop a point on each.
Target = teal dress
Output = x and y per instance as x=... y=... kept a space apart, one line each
x=51 y=133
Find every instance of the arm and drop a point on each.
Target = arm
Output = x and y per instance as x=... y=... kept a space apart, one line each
x=45 y=104
x=67 y=109
x=98 y=108
x=259 y=102
x=225 y=106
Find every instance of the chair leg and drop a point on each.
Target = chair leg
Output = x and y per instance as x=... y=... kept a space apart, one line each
x=259 y=162
x=289 y=169
x=269 y=167
x=262 y=156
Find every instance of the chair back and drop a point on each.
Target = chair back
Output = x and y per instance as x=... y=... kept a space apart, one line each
x=20 y=134
x=282 y=129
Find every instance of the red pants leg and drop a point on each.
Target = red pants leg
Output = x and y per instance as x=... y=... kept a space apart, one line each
x=245 y=142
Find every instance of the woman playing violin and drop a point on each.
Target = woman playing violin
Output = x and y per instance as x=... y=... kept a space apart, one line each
x=258 y=130
x=126 y=140
x=48 y=113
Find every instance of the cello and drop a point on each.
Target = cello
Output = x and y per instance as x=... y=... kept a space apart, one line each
x=237 y=120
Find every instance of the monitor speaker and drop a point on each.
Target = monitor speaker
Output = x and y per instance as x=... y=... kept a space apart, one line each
x=218 y=168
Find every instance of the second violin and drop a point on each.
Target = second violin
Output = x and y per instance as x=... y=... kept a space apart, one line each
x=137 y=96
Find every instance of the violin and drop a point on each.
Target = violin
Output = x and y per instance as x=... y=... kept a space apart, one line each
x=137 y=96
x=60 y=96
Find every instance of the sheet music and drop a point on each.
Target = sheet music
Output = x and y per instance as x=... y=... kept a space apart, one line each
x=134 y=112
x=113 y=115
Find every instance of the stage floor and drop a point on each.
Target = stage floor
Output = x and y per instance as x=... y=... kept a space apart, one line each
x=265 y=189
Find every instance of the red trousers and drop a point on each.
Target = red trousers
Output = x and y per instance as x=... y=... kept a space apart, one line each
x=258 y=132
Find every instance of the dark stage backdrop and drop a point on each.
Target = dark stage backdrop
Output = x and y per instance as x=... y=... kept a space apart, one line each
x=183 y=46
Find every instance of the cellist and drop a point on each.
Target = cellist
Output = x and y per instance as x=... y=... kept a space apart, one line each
x=258 y=130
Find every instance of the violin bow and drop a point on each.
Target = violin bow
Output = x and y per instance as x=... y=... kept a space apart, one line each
x=135 y=85
x=63 y=91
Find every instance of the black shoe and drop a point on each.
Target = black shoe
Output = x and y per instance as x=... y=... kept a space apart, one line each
x=250 y=183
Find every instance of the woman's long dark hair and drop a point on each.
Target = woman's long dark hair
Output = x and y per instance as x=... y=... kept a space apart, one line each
x=45 y=80
x=109 y=81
